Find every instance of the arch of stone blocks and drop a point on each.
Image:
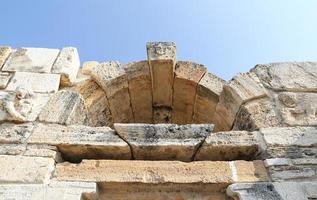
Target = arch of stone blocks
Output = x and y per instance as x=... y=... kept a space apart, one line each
x=154 y=129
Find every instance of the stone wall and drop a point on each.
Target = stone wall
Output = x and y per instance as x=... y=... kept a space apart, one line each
x=155 y=129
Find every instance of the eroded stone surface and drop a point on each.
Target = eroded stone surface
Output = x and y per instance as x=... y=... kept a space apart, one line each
x=4 y=79
x=67 y=64
x=23 y=169
x=38 y=60
x=88 y=66
x=81 y=142
x=163 y=141
x=4 y=53
x=15 y=133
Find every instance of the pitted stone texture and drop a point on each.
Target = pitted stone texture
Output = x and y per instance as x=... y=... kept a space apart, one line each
x=162 y=114
x=242 y=88
x=23 y=169
x=292 y=142
x=96 y=103
x=42 y=83
x=81 y=142
x=4 y=79
x=54 y=190
x=259 y=113
x=67 y=64
x=112 y=79
x=140 y=89
x=15 y=133
x=297 y=109
x=244 y=171
x=121 y=171
x=233 y=145
x=187 y=76
x=161 y=57
x=4 y=54
x=38 y=60
x=207 y=97
x=12 y=149
x=288 y=76
x=300 y=169
x=88 y=66
x=163 y=141
x=65 y=107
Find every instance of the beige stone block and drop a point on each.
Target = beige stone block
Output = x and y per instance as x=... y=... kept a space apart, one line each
x=4 y=54
x=207 y=97
x=23 y=169
x=42 y=83
x=67 y=64
x=88 y=66
x=162 y=115
x=113 y=80
x=4 y=79
x=120 y=171
x=244 y=171
x=65 y=107
x=15 y=133
x=40 y=152
x=38 y=60
x=163 y=141
x=187 y=76
x=140 y=89
x=81 y=142
x=161 y=57
x=232 y=145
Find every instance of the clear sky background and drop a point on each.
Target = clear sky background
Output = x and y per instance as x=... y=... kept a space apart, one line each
x=227 y=36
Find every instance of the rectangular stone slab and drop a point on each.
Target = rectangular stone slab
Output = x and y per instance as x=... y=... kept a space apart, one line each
x=187 y=76
x=42 y=83
x=78 y=142
x=38 y=60
x=23 y=169
x=163 y=141
x=15 y=133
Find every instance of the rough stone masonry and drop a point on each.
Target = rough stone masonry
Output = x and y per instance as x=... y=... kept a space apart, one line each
x=154 y=129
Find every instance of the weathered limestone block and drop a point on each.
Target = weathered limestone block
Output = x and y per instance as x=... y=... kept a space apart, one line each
x=113 y=80
x=187 y=76
x=34 y=151
x=12 y=149
x=4 y=79
x=297 y=190
x=38 y=60
x=23 y=169
x=21 y=105
x=233 y=145
x=297 y=109
x=4 y=54
x=55 y=190
x=242 y=88
x=244 y=171
x=162 y=115
x=67 y=64
x=292 y=142
x=140 y=88
x=207 y=97
x=65 y=107
x=259 y=113
x=96 y=103
x=81 y=142
x=15 y=133
x=163 y=141
x=288 y=76
x=88 y=66
x=300 y=169
x=42 y=83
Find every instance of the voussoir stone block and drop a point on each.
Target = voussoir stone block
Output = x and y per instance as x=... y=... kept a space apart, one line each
x=81 y=142
x=113 y=80
x=67 y=64
x=65 y=107
x=140 y=88
x=38 y=60
x=37 y=82
x=4 y=79
x=163 y=141
x=207 y=97
x=4 y=54
x=232 y=145
x=187 y=76
x=23 y=169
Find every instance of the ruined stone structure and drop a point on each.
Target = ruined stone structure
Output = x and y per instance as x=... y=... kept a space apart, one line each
x=154 y=129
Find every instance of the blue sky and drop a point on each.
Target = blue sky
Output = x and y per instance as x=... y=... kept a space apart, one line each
x=227 y=36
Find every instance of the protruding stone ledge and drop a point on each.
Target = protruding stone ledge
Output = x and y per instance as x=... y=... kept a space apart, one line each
x=231 y=145
x=158 y=172
x=81 y=142
x=23 y=169
x=163 y=141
